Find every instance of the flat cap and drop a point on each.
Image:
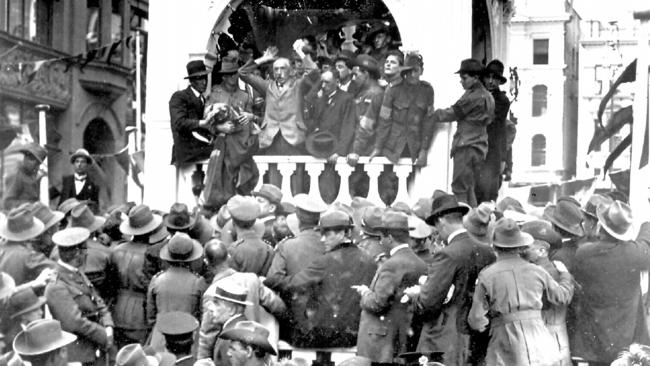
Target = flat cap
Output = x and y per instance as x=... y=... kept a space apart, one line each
x=71 y=236
x=243 y=208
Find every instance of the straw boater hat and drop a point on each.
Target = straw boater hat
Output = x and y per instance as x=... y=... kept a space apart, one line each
x=82 y=216
x=616 y=219
x=140 y=221
x=81 y=153
x=179 y=217
x=507 y=235
x=20 y=225
x=181 y=248
x=228 y=290
x=48 y=217
x=251 y=333
x=42 y=336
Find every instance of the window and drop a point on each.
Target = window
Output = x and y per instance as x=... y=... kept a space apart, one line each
x=540 y=52
x=539 y=100
x=538 y=151
x=30 y=20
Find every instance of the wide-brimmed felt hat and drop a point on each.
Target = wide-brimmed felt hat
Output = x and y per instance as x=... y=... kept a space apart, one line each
x=543 y=230
x=140 y=221
x=42 y=336
x=47 y=216
x=508 y=235
x=321 y=144
x=81 y=153
x=471 y=66
x=495 y=68
x=229 y=65
x=196 y=68
x=20 y=225
x=252 y=333
x=228 y=290
x=71 y=236
x=476 y=221
x=176 y=323
x=616 y=219
x=394 y=221
x=82 y=216
x=442 y=205
x=270 y=192
x=335 y=219
x=592 y=205
x=422 y=208
x=181 y=248
x=243 y=208
x=67 y=205
x=371 y=220
x=421 y=229
x=23 y=302
x=411 y=60
x=7 y=285
x=158 y=235
x=134 y=355
x=179 y=217
x=35 y=150
x=567 y=216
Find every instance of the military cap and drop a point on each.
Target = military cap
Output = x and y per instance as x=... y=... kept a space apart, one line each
x=270 y=192
x=336 y=219
x=176 y=323
x=394 y=220
x=243 y=208
x=306 y=203
x=71 y=236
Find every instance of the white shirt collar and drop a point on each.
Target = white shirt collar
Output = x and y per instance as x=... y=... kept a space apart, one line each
x=394 y=250
x=67 y=266
x=455 y=234
x=196 y=92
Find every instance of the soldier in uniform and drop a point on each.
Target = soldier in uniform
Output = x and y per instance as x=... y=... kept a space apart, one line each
x=249 y=344
x=127 y=275
x=43 y=343
x=228 y=92
x=269 y=198
x=249 y=253
x=74 y=301
x=178 y=329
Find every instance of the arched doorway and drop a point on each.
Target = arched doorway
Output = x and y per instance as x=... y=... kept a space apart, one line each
x=98 y=139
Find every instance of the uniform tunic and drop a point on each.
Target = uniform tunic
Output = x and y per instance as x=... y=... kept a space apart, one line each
x=555 y=317
x=508 y=297
x=250 y=253
x=22 y=263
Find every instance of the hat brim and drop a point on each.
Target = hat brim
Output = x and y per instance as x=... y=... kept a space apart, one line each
x=227 y=71
x=626 y=236
x=249 y=337
x=40 y=302
x=169 y=225
x=89 y=158
x=247 y=303
x=32 y=153
x=58 y=216
x=9 y=285
x=368 y=231
x=433 y=218
x=22 y=348
x=197 y=252
x=477 y=230
x=35 y=230
x=158 y=236
x=267 y=196
x=572 y=230
x=127 y=229
x=98 y=223
x=319 y=153
x=526 y=240
x=197 y=74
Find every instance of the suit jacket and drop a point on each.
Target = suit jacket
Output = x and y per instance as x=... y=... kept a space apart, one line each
x=89 y=191
x=458 y=265
x=22 y=263
x=611 y=314
x=250 y=253
x=385 y=321
x=77 y=305
x=336 y=114
x=185 y=111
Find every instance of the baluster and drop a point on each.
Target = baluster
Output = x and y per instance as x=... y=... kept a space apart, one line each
x=314 y=169
x=262 y=167
x=402 y=172
x=344 y=171
x=286 y=170
x=373 y=171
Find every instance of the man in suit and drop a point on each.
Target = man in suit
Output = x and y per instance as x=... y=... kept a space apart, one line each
x=79 y=185
x=446 y=296
x=385 y=320
x=75 y=302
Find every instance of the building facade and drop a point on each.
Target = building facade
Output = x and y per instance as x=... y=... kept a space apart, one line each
x=543 y=46
x=89 y=96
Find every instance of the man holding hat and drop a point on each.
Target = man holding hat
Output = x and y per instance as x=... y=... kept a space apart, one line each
x=445 y=297
x=178 y=329
x=24 y=187
x=508 y=298
x=249 y=344
x=228 y=92
x=611 y=315
x=487 y=186
x=474 y=111
x=128 y=277
x=79 y=185
x=75 y=302
x=43 y=343
x=269 y=197
x=385 y=320
x=249 y=253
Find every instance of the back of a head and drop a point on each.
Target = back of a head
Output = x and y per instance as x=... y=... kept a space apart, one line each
x=215 y=252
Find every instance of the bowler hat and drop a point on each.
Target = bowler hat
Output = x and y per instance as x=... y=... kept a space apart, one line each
x=35 y=150
x=228 y=65
x=176 y=323
x=181 y=248
x=81 y=153
x=140 y=221
x=134 y=355
x=336 y=219
x=394 y=221
x=592 y=205
x=228 y=290
x=368 y=63
x=23 y=302
x=306 y=203
x=42 y=336
x=543 y=230
x=495 y=68
x=47 y=216
x=179 y=217
x=477 y=219
x=20 y=225
x=470 y=66
x=567 y=216
x=270 y=192
x=7 y=285
x=421 y=229
x=508 y=235
x=67 y=205
x=196 y=68
x=243 y=208
x=616 y=219
x=251 y=333
x=321 y=144
x=442 y=205
x=82 y=216
x=71 y=236
x=371 y=220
